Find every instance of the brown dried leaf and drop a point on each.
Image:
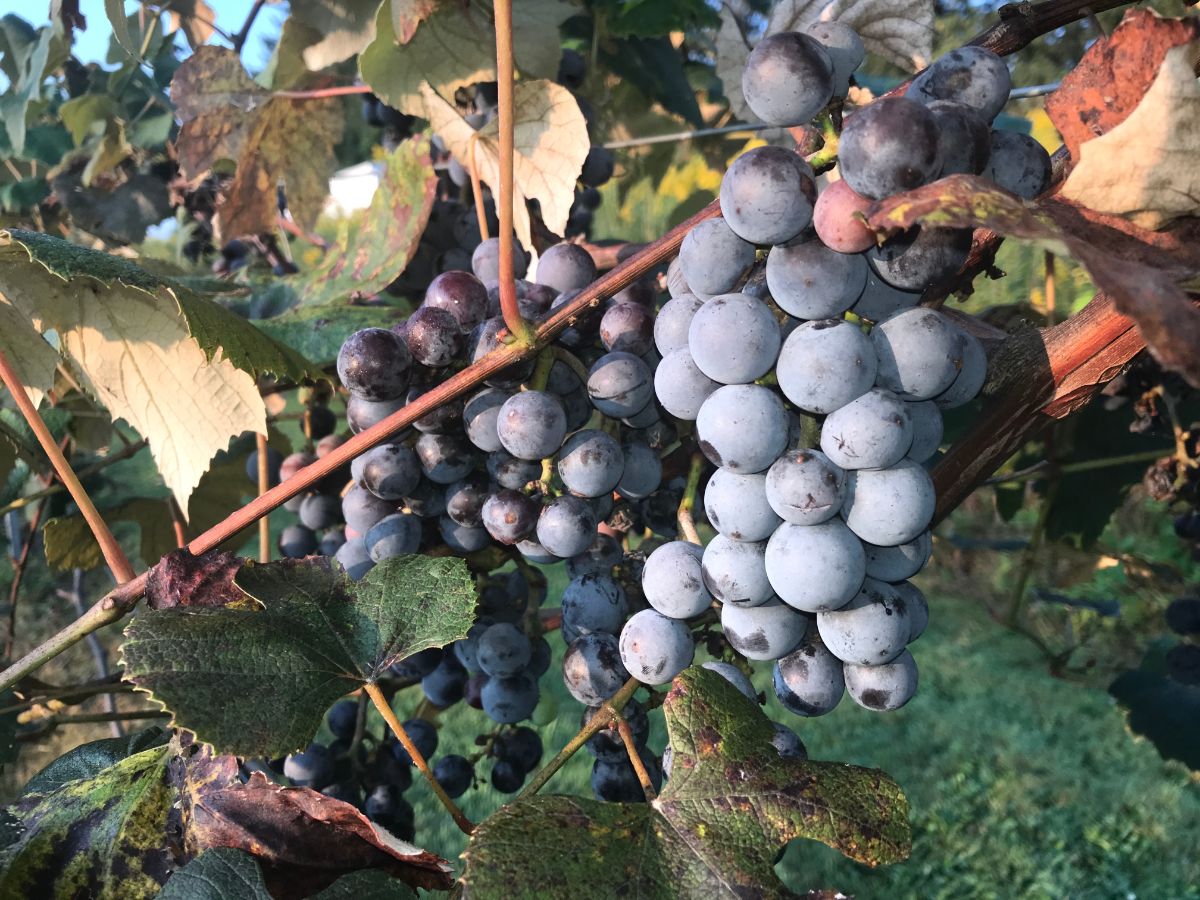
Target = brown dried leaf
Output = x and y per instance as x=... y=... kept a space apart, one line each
x=303 y=839
x=181 y=579
x=1141 y=270
x=195 y=18
x=226 y=116
x=1145 y=168
x=1114 y=75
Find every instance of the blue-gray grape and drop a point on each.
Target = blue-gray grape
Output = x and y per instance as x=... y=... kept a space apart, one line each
x=808 y=681
x=736 y=505
x=362 y=414
x=628 y=327
x=360 y=509
x=590 y=463
x=389 y=471
x=734 y=339
x=921 y=256
x=503 y=650
x=673 y=580
x=592 y=668
x=902 y=561
x=566 y=267
x=883 y=688
x=971 y=75
x=767 y=195
x=742 y=427
x=465 y=499
x=804 y=487
x=766 y=632
x=396 y=535
x=871 y=629
x=815 y=567
x=672 y=322
x=870 y=432
x=889 y=506
x=485 y=261
x=480 y=416
x=920 y=353
x=712 y=258
x=879 y=299
x=594 y=603
x=964 y=139
x=927 y=429
x=917 y=607
x=566 y=526
x=1018 y=164
x=735 y=572
x=655 y=648
x=969 y=381
x=788 y=78
x=810 y=281
x=510 y=700
x=825 y=364
x=444 y=458
x=845 y=49
x=642 y=473
x=620 y=384
x=463 y=538
x=510 y=472
x=532 y=424
x=353 y=557
x=680 y=386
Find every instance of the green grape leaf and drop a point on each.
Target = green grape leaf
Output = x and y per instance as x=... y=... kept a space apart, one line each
x=218 y=874
x=367 y=884
x=176 y=365
x=90 y=759
x=317 y=637
x=99 y=836
x=227 y=116
x=444 y=49
x=70 y=544
x=407 y=15
x=24 y=53
x=80 y=113
x=319 y=331
x=372 y=248
x=641 y=19
x=714 y=831
x=115 y=10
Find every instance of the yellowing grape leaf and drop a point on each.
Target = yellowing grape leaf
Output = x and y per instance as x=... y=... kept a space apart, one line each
x=550 y=144
x=455 y=46
x=714 y=831
x=274 y=141
x=345 y=26
x=176 y=365
x=1145 y=168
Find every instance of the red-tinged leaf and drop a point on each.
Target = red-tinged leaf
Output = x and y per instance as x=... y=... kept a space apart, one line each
x=274 y=140
x=303 y=839
x=1142 y=270
x=1114 y=75
x=181 y=579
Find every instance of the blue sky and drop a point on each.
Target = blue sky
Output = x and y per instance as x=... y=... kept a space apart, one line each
x=92 y=45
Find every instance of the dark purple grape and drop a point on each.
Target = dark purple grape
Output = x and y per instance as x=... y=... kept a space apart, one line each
x=362 y=414
x=445 y=418
x=465 y=499
x=389 y=471
x=455 y=774
x=444 y=458
x=510 y=472
x=964 y=139
x=361 y=509
x=507 y=778
x=320 y=511
x=373 y=364
x=628 y=327
x=971 y=75
x=297 y=541
x=444 y=686
x=462 y=295
x=510 y=516
x=434 y=337
x=788 y=78
x=566 y=526
x=274 y=466
x=921 y=257
x=888 y=147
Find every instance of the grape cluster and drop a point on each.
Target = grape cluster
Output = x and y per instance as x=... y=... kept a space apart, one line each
x=818 y=390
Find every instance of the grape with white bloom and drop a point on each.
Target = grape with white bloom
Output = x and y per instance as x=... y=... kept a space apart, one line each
x=845 y=49
x=767 y=195
x=592 y=668
x=532 y=424
x=880 y=300
x=920 y=353
x=969 y=381
x=620 y=384
x=734 y=339
x=810 y=281
x=736 y=505
x=927 y=429
x=871 y=629
x=825 y=364
x=590 y=463
x=766 y=632
x=815 y=567
x=712 y=258
x=742 y=427
x=672 y=322
x=902 y=561
x=593 y=603
x=804 y=487
x=680 y=386
x=889 y=506
x=918 y=608
x=654 y=647
x=735 y=572
x=808 y=681
x=869 y=432
x=673 y=580
x=883 y=688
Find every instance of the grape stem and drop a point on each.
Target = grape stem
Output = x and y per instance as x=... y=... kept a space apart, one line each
x=601 y=719
x=687 y=503
x=477 y=190
x=389 y=716
x=113 y=554
x=635 y=758
x=513 y=319
x=264 y=485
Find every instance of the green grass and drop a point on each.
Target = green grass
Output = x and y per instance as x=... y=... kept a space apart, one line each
x=1020 y=785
